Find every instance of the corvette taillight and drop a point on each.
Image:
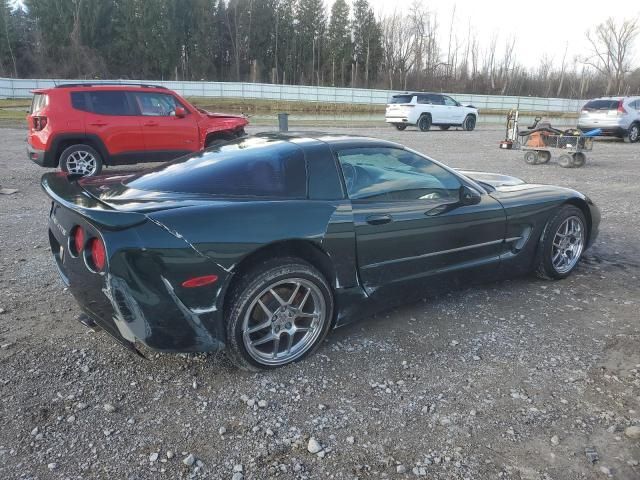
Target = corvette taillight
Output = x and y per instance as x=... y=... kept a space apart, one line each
x=39 y=122
x=76 y=245
x=96 y=255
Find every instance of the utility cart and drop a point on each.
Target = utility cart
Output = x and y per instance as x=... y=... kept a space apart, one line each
x=569 y=149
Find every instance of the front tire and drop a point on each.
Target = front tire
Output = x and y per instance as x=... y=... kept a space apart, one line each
x=562 y=244
x=81 y=159
x=469 y=123
x=424 y=123
x=278 y=314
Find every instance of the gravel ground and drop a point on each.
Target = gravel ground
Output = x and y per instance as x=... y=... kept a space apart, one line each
x=522 y=379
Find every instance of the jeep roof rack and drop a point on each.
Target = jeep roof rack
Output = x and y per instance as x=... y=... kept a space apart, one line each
x=108 y=84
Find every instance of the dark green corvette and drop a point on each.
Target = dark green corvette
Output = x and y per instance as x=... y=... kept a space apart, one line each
x=264 y=244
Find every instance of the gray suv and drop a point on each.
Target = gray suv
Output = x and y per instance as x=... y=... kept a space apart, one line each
x=616 y=116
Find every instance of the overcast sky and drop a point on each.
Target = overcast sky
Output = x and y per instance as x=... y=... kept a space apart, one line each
x=539 y=27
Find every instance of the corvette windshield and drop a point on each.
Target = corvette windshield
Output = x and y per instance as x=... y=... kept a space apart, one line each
x=254 y=167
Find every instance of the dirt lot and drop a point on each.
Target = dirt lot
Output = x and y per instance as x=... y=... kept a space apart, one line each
x=512 y=380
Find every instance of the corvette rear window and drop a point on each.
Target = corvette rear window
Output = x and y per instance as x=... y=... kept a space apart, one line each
x=250 y=167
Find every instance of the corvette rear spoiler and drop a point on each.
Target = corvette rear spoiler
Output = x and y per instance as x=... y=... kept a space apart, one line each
x=63 y=189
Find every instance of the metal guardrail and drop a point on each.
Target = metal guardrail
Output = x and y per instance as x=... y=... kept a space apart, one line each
x=21 y=88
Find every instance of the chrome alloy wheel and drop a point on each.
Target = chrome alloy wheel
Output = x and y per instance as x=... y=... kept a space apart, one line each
x=81 y=162
x=568 y=244
x=284 y=321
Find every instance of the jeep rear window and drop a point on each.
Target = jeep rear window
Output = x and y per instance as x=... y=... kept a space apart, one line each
x=601 y=105
x=401 y=99
x=38 y=102
x=249 y=167
x=79 y=101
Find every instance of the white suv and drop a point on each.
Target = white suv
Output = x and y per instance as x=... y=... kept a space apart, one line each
x=426 y=109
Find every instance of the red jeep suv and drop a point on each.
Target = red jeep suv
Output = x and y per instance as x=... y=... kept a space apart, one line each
x=81 y=127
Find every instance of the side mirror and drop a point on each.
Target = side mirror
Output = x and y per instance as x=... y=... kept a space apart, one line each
x=180 y=112
x=468 y=196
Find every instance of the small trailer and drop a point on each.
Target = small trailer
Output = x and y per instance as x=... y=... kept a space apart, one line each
x=569 y=149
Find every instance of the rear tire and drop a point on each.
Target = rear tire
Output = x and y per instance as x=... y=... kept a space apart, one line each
x=544 y=156
x=579 y=159
x=633 y=135
x=81 y=159
x=424 y=123
x=249 y=324
x=547 y=263
x=531 y=157
x=565 y=161
x=400 y=126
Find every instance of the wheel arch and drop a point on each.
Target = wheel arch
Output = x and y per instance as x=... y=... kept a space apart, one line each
x=305 y=250
x=586 y=211
x=64 y=141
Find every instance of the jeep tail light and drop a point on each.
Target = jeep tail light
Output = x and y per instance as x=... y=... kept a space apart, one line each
x=77 y=241
x=39 y=122
x=621 y=110
x=96 y=255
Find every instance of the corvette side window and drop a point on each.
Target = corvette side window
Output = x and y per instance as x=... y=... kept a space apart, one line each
x=395 y=174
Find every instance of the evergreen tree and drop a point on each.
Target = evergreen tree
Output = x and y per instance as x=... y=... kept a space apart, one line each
x=339 y=40
x=311 y=19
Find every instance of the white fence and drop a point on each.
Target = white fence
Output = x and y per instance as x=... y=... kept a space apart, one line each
x=21 y=88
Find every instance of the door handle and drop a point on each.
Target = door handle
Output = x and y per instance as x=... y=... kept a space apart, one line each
x=379 y=219
x=150 y=124
x=437 y=210
x=98 y=124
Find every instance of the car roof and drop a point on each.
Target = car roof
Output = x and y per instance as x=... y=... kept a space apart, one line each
x=101 y=86
x=417 y=93
x=336 y=139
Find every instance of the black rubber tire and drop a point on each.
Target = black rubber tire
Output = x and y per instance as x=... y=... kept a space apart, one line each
x=543 y=156
x=445 y=127
x=633 y=135
x=565 y=161
x=579 y=159
x=424 y=122
x=543 y=265
x=400 y=126
x=80 y=147
x=531 y=157
x=253 y=282
x=469 y=123
x=215 y=141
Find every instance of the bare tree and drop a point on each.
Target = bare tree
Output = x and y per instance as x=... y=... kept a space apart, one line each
x=611 y=44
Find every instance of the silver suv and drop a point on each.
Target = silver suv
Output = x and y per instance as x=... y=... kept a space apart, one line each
x=616 y=116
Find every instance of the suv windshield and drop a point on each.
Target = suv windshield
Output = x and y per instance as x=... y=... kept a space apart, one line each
x=253 y=167
x=401 y=99
x=601 y=105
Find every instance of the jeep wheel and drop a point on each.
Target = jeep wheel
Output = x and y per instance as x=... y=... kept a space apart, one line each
x=400 y=126
x=424 y=124
x=81 y=159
